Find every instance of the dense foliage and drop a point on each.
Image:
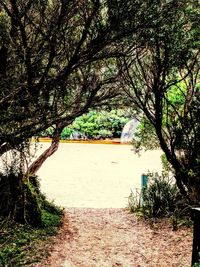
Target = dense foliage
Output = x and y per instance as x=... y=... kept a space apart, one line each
x=58 y=60
x=95 y=125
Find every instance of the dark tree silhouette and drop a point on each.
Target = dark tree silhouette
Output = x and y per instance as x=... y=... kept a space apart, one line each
x=57 y=60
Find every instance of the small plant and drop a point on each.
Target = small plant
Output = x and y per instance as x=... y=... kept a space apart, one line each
x=135 y=201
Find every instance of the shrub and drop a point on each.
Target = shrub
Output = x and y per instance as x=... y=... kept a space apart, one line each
x=105 y=133
x=160 y=199
x=66 y=133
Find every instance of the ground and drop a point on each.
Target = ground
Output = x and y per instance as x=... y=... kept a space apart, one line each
x=93 y=182
x=115 y=237
x=95 y=175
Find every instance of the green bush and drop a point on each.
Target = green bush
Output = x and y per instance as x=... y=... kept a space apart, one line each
x=104 y=133
x=94 y=125
x=160 y=196
x=160 y=199
x=97 y=125
x=66 y=133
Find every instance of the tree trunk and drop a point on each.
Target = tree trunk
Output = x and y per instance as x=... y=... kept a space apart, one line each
x=194 y=191
x=20 y=199
x=189 y=187
x=36 y=165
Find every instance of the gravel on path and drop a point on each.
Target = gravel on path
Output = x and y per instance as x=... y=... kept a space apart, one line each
x=114 y=237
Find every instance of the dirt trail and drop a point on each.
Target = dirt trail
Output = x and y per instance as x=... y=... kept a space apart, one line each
x=113 y=238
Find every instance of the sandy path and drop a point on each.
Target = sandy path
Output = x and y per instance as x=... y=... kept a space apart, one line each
x=114 y=237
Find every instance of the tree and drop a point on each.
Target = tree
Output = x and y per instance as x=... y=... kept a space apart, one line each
x=162 y=80
x=57 y=60
x=54 y=57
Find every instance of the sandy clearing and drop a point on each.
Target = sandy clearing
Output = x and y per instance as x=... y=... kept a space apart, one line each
x=94 y=175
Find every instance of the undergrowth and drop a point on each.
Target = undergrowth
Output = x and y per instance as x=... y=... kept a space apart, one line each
x=160 y=198
x=23 y=245
x=23 y=242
